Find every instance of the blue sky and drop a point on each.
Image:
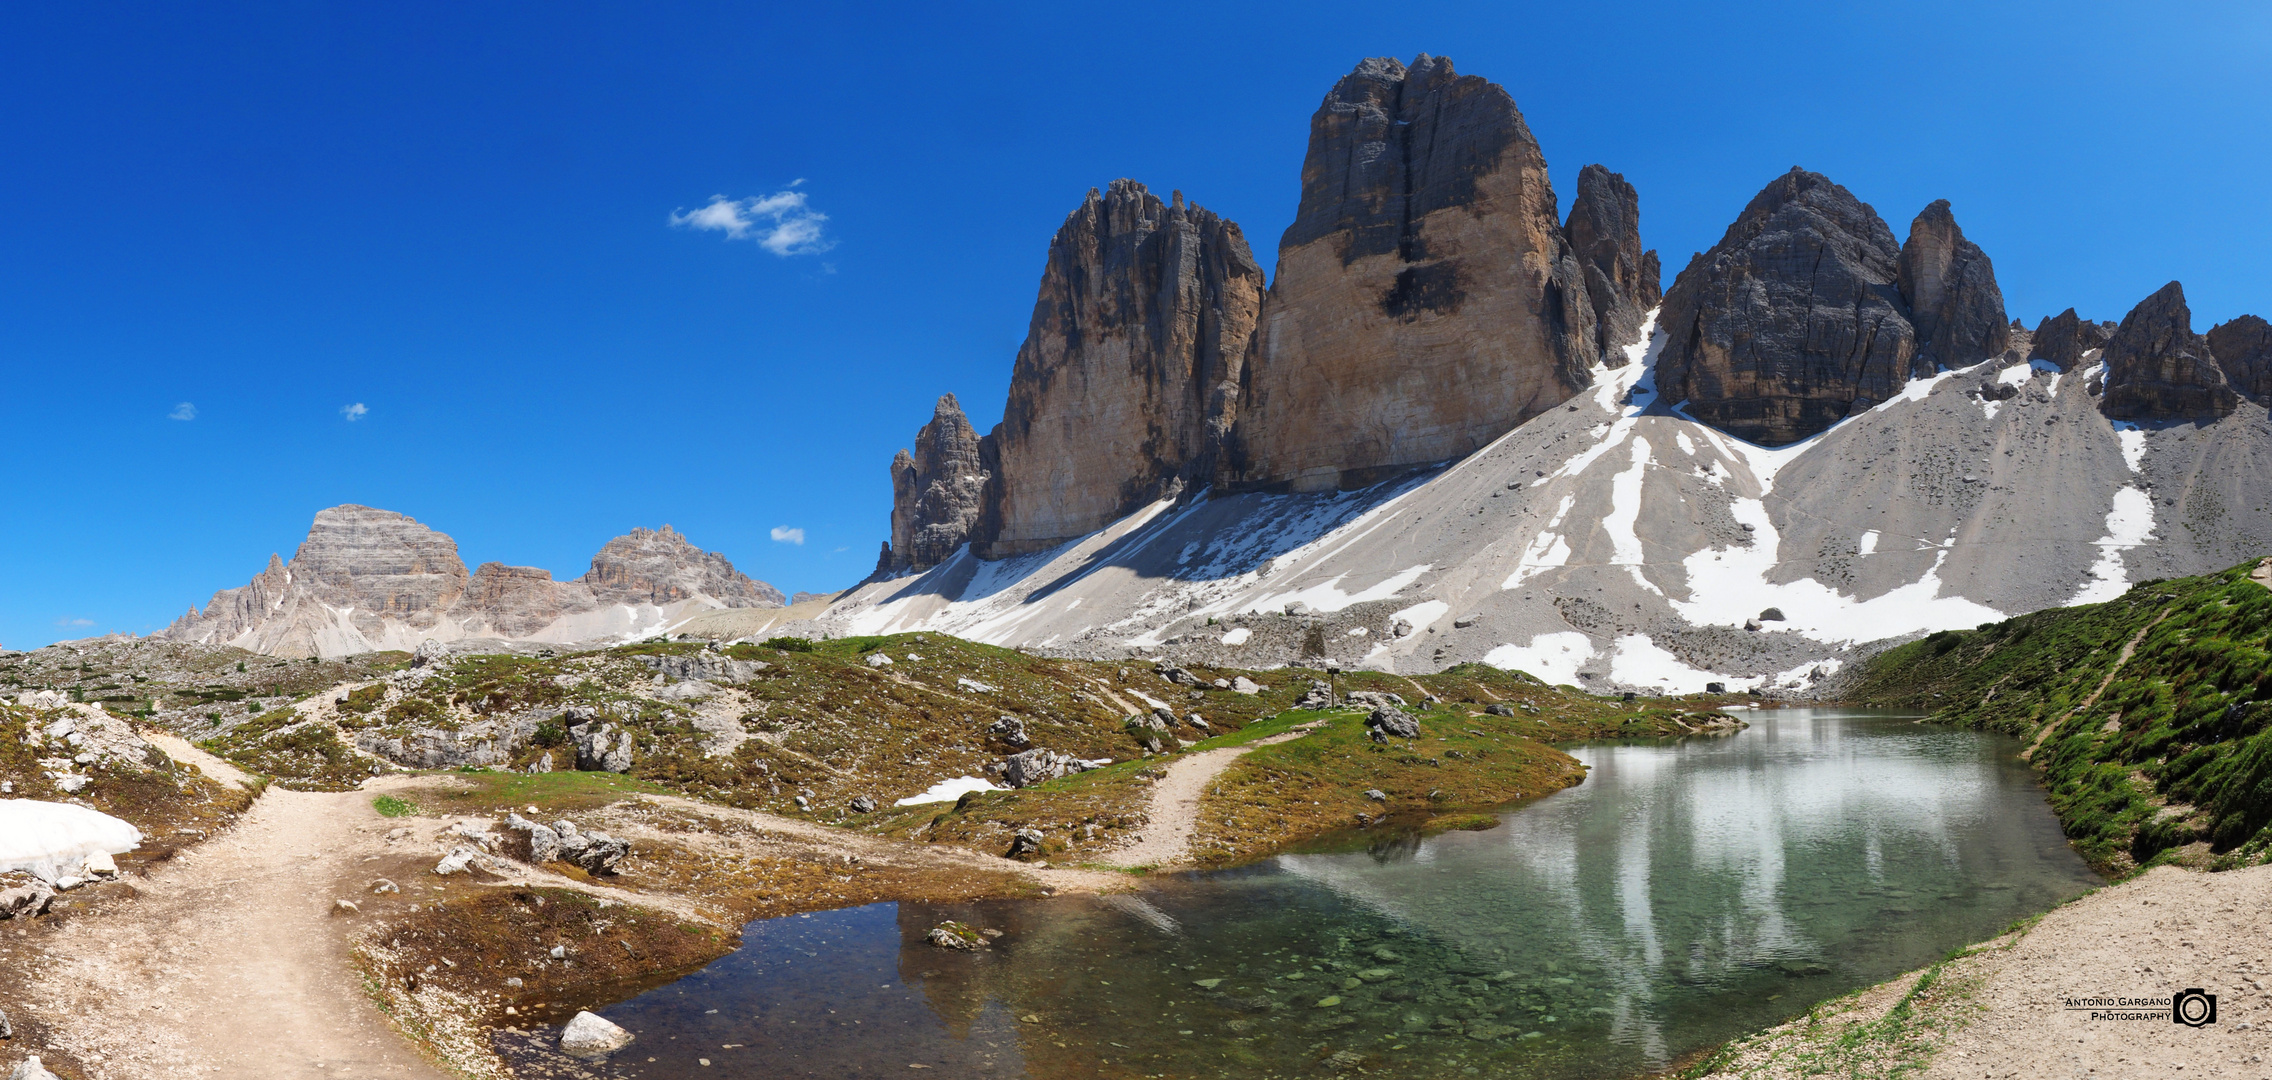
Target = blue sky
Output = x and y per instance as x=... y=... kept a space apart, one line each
x=423 y=256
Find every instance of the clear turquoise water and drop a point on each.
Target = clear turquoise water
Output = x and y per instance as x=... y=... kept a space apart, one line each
x=1685 y=894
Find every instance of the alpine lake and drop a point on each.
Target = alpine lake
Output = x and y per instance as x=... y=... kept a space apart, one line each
x=1685 y=894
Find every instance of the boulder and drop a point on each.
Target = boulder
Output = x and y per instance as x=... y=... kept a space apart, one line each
x=1622 y=281
x=592 y=1037
x=1426 y=300
x=1244 y=685
x=2243 y=348
x=1773 y=614
x=2062 y=339
x=1011 y=730
x=705 y=666
x=937 y=493
x=1318 y=696
x=1129 y=371
x=1372 y=698
x=458 y=859
x=1391 y=720
x=595 y=851
x=1950 y=288
x=31 y=1069
x=1036 y=766
x=1176 y=675
x=1025 y=843
x=529 y=841
x=2157 y=368
x=1499 y=710
x=1197 y=722
x=1793 y=320
x=862 y=804
x=602 y=747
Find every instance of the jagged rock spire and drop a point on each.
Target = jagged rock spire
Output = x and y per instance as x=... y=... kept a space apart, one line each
x=937 y=492
x=2157 y=368
x=1950 y=287
x=1623 y=281
x=2243 y=348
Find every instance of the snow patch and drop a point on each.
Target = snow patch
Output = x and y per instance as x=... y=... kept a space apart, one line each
x=949 y=791
x=1625 y=516
x=1637 y=661
x=1237 y=636
x=1421 y=615
x=1327 y=596
x=1867 y=544
x=2133 y=444
x=1554 y=657
x=50 y=839
x=1547 y=550
x=2129 y=524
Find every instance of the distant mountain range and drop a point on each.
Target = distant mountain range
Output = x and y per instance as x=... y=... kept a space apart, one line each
x=368 y=579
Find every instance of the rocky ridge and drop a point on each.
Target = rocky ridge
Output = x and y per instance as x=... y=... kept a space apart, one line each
x=368 y=579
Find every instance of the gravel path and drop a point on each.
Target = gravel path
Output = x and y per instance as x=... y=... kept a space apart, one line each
x=229 y=962
x=2004 y=1011
x=1174 y=810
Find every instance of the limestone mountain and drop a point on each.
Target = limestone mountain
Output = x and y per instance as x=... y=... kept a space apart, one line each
x=1426 y=299
x=1950 y=289
x=1129 y=369
x=1623 y=282
x=2243 y=347
x=937 y=492
x=2062 y=339
x=2157 y=368
x=367 y=579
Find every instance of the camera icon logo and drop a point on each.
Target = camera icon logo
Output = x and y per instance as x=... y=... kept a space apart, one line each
x=2193 y=1007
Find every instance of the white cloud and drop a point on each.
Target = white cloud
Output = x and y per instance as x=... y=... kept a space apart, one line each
x=787 y=535
x=67 y=621
x=354 y=412
x=781 y=223
x=183 y=411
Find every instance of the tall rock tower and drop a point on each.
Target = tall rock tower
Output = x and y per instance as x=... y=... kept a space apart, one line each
x=1129 y=370
x=1426 y=300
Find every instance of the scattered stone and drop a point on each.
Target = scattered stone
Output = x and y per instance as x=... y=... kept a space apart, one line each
x=1197 y=721
x=1499 y=710
x=1372 y=698
x=704 y=666
x=861 y=804
x=7 y=1030
x=1206 y=984
x=1318 y=696
x=345 y=907
x=1464 y=622
x=1773 y=614
x=1715 y=688
x=456 y=860
x=1751 y=624
x=595 y=851
x=1393 y=721
x=1376 y=794
x=514 y=983
x=100 y=864
x=878 y=660
x=382 y=886
x=1244 y=685
x=591 y=1037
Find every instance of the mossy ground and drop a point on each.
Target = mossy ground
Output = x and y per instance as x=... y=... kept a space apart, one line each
x=2173 y=761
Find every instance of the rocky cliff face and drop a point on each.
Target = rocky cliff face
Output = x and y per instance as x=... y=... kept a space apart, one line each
x=2157 y=368
x=1425 y=300
x=1623 y=282
x=937 y=492
x=1806 y=312
x=2243 y=348
x=1950 y=289
x=1129 y=368
x=368 y=579
x=1793 y=320
x=2064 y=338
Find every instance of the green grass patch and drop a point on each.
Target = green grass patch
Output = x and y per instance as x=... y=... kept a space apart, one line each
x=389 y=806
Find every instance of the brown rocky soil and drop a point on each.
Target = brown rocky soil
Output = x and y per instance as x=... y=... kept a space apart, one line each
x=2004 y=1008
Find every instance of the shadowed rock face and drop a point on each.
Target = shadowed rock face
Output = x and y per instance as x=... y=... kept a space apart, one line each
x=2064 y=338
x=2157 y=368
x=1128 y=373
x=2243 y=348
x=937 y=492
x=1950 y=288
x=1793 y=320
x=1425 y=300
x=1622 y=280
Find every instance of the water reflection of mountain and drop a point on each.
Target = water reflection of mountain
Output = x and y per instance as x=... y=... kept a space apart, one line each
x=1726 y=870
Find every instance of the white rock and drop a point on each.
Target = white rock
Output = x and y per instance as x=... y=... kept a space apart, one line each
x=31 y=1069
x=101 y=863
x=70 y=782
x=592 y=1037
x=877 y=659
x=1244 y=685
x=456 y=860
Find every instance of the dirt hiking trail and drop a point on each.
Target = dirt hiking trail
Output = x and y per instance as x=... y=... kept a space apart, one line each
x=229 y=962
x=1174 y=810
